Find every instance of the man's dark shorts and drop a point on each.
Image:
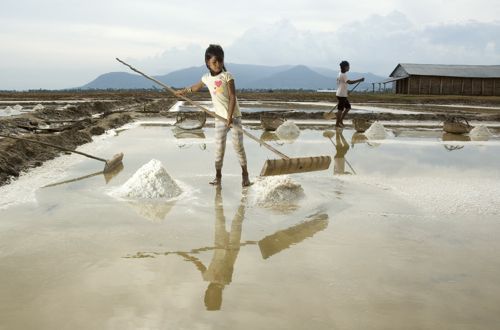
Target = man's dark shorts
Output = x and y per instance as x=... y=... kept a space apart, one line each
x=343 y=103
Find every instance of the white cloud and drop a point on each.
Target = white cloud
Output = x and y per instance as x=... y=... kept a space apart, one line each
x=77 y=41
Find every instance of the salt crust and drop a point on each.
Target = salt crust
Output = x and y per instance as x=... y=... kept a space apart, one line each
x=288 y=131
x=376 y=132
x=441 y=194
x=151 y=181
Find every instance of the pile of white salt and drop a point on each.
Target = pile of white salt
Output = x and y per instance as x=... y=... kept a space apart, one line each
x=376 y=131
x=288 y=131
x=480 y=133
x=151 y=181
x=38 y=107
x=276 y=190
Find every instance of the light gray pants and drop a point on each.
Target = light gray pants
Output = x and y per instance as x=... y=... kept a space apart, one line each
x=221 y=131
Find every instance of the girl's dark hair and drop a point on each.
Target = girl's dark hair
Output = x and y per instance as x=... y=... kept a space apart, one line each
x=344 y=64
x=217 y=52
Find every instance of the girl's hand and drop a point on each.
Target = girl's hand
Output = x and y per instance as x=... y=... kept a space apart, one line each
x=180 y=92
x=229 y=123
x=183 y=91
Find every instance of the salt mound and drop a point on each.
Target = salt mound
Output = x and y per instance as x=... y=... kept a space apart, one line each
x=151 y=181
x=480 y=133
x=288 y=131
x=18 y=107
x=274 y=190
x=376 y=132
x=38 y=107
x=8 y=109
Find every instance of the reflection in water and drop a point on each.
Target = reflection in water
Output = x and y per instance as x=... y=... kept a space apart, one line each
x=454 y=137
x=108 y=175
x=155 y=211
x=180 y=133
x=270 y=136
x=283 y=239
x=339 y=159
x=227 y=246
x=358 y=138
x=450 y=147
x=341 y=146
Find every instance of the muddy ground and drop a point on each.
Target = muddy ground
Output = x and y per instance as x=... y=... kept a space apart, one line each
x=101 y=111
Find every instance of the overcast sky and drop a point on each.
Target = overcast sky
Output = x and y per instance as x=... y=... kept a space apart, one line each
x=58 y=44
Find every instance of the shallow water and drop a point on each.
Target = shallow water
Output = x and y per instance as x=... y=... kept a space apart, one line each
x=279 y=106
x=408 y=241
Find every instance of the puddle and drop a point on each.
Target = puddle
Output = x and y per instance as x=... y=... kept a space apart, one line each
x=406 y=235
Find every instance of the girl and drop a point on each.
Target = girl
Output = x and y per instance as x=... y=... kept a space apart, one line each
x=220 y=83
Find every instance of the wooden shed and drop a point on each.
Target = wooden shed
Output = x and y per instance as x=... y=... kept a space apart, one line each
x=437 y=79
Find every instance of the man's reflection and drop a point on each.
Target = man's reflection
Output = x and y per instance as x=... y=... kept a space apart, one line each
x=227 y=246
x=339 y=160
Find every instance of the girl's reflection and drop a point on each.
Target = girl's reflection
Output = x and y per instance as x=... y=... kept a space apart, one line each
x=227 y=246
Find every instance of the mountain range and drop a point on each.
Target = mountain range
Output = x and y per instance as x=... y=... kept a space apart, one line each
x=247 y=76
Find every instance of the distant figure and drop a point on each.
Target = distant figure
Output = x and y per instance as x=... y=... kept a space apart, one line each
x=220 y=83
x=343 y=106
x=339 y=160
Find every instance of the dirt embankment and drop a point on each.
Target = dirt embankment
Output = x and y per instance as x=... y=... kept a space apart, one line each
x=67 y=128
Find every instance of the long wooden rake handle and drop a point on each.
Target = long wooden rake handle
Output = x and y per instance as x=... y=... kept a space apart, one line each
x=196 y=104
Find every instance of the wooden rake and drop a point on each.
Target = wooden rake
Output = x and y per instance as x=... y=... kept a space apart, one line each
x=109 y=164
x=284 y=165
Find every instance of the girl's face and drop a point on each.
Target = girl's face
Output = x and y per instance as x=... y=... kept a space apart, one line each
x=215 y=65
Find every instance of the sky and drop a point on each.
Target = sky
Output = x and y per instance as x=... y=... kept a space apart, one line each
x=61 y=44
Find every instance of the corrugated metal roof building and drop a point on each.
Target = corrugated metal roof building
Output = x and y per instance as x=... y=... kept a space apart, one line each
x=440 y=79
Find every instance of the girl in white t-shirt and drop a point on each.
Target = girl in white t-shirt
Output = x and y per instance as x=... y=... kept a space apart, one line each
x=220 y=84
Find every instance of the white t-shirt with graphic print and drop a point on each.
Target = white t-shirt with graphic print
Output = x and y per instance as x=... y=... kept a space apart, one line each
x=219 y=90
